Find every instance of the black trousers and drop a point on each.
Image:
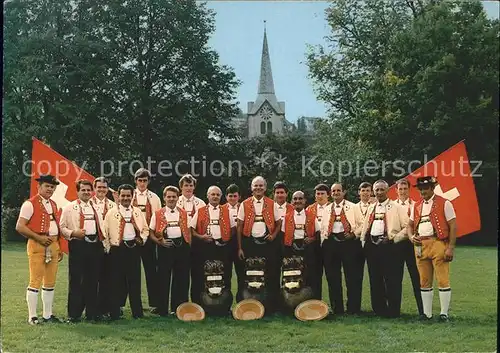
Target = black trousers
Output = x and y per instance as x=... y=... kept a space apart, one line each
x=126 y=268
x=385 y=268
x=346 y=255
x=311 y=272
x=84 y=265
x=239 y=267
x=196 y=270
x=406 y=249
x=211 y=251
x=318 y=268
x=104 y=286
x=150 y=264
x=272 y=252
x=173 y=271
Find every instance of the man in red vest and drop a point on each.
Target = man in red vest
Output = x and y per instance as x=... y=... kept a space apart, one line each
x=191 y=204
x=212 y=225
x=342 y=223
x=406 y=247
x=383 y=227
x=432 y=229
x=83 y=227
x=39 y=222
x=126 y=232
x=321 y=194
x=169 y=229
x=102 y=205
x=233 y=205
x=258 y=225
x=300 y=230
x=148 y=202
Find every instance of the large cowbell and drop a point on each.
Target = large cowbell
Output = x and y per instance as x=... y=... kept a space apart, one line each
x=216 y=299
x=293 y=288
x=255 y=279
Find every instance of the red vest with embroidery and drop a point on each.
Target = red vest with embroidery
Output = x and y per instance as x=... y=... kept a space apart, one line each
x=161 y=223
x=267 y=213
x=96 y=219
x=343 y=220
x=437 y=216
x=224 y=222
x=290 y=226
x=40 y=220
x=149 y=212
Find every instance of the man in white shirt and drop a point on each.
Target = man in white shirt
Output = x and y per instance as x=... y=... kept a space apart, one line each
x=259 y=222
x=432 y=229
x=126 y=232
x=82 y=226
x=406 y=248
x=148 y=202
x=39 y=222
x=364 y=192
x=212 y=225
x=102 y=204
x=233 y=204
x=383 y=227
x=321 y=195
x=190 y=203
x=342 y=250
x=300 y=231
x=169 y=229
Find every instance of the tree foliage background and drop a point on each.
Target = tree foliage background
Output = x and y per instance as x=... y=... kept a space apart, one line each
x=124 y=81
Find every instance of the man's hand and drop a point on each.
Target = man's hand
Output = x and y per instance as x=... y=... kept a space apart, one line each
x=349 y=236
x=308 y=240
x=270 y=237
x=79 y=234
x=206 y=238
x=416 y=240
x=241 y=254
x=448 y=254
x=167 y=243
x=44 y=240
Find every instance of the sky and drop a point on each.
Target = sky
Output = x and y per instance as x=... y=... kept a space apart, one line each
x=291 y=25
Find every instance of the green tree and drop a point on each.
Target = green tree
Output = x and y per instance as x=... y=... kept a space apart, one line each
x=115 y=81
x=413 y=78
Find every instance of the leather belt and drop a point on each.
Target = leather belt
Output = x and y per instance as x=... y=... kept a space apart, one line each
x=338 y=236
x=130 y=243
x=91 y=238
x=377 y=239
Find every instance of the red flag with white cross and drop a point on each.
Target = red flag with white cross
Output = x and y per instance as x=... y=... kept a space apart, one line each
x=455 y=183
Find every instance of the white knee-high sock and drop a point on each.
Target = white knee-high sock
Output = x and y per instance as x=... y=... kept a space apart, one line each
x=32 y=300
x=47 y=300
x=444 y=299
x=427 y=295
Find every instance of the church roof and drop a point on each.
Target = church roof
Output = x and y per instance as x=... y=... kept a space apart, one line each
x=266 y=83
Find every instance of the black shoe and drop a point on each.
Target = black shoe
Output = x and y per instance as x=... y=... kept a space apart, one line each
x=154 y=311
x=138 y=316
x=444 y=318
x=33 y=321
x=423 y=317
x=52 y=319
x=73 y=320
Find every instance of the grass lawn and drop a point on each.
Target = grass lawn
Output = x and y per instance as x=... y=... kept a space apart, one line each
x=473 y=326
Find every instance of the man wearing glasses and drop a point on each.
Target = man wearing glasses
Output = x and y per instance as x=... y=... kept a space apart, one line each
x=432 y=229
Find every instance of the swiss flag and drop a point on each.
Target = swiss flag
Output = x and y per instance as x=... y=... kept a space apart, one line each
x=47 y=161
x=452 y=171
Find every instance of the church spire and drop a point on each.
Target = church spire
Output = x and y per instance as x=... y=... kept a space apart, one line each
x=266 y=84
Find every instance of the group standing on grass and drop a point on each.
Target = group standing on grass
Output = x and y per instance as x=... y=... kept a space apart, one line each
x=188 y=247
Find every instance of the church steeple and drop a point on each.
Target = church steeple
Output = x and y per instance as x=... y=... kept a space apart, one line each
x=266 y=84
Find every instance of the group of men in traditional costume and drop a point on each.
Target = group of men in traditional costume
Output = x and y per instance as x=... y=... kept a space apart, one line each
x=188 y=247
